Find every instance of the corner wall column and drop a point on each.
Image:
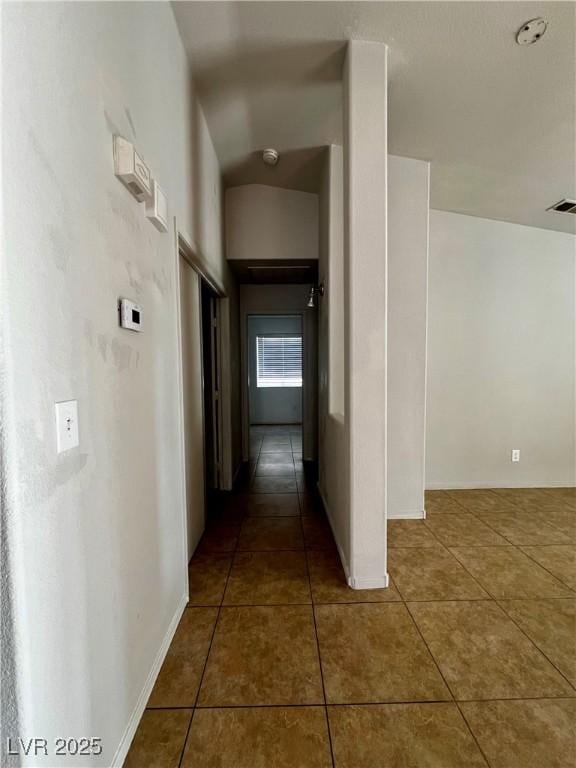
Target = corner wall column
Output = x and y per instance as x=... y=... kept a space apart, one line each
x=365 y=222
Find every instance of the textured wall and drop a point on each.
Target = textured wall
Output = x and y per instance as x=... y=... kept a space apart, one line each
x=271 y=223
x=96 y=535
x=500 y=354
x=408 y=206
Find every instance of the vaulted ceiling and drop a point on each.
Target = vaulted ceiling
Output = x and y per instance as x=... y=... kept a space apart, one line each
x=496 y=120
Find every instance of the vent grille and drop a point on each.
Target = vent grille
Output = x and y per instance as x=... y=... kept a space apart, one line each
x=564 y=206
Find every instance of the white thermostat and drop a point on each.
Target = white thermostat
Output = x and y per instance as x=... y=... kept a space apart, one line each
x=157 y=207
x=130 y=315
x=131 y=169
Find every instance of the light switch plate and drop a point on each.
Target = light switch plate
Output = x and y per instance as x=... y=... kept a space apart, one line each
x=67 y=434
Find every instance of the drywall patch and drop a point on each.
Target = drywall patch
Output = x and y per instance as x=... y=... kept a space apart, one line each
x=129 y=116
x=60 y=247
x=67 y=468
x=103 y=346
x=133 y=279
x=122 y=354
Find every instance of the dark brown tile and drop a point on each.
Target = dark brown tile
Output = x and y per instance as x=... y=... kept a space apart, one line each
x=178 y=681
x=559 y=560
x=219 y=537
x=566 y=496
x=531 y=499
x=523 y=528
x=311 y=504
x=263 y=655
x=410 y=735
x=409 y=533
x=562 y=519
x=522 y=734
x=483 y=654
x=268 y=578
x=275 y=464
x=159 y=740
x=440 y=503
x=270 y=533
x=431 y=573
x=508 y=572
x=463 y=530
x=551 y=625
x=207 y=575
x=274 y=484
x=276 y=445
x=266 y=737
x=273 y=505
x=374 y=653
x=329 y=582
x=317 y=533
x=480 y=500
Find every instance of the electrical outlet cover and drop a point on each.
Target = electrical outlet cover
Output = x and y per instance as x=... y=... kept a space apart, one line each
x=67 y=433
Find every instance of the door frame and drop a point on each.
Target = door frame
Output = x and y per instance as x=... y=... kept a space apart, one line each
x=185 y=248
x=292 y=306
x=249 y=352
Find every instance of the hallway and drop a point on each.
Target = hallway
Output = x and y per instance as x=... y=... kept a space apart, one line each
x=466 y=660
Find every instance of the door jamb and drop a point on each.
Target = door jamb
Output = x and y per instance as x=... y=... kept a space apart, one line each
x=185 y=247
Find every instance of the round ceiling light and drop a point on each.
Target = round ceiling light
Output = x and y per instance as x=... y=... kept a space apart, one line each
x=270 y=156
x=531 y=31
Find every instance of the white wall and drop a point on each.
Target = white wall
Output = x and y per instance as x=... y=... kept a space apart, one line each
x=271 y=223
x=501 y=354
x=97 y=545
x=365 y=216
x=408 y=205
x=333 y=452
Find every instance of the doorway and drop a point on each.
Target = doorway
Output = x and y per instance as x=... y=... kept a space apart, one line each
x=201 y=350
x=279 y=367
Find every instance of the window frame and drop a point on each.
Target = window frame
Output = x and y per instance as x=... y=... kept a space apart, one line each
x=282 y=382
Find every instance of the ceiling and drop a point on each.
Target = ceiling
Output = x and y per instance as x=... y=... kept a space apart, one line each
x=496 y=120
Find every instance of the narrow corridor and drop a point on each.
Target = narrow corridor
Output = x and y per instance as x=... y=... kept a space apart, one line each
x=278 y=664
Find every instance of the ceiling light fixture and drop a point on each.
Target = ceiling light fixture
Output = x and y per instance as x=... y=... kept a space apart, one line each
x=531 y=31
x=270 y=156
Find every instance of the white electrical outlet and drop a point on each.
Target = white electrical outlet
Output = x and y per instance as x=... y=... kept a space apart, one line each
x=515 y=454
x=67 y=435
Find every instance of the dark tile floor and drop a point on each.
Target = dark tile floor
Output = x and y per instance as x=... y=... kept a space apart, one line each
x=468 y=659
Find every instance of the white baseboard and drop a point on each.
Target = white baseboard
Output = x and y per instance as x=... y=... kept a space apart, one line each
x=457 y=486
x=378 y=583
x=419 y=514
x=136 y=716
x=341 y=554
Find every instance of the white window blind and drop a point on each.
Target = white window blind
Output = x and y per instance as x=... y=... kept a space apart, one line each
x=278 y=361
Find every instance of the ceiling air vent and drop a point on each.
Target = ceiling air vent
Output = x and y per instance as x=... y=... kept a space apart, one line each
x=564 y=206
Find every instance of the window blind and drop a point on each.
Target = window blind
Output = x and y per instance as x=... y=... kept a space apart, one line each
x=278 y=361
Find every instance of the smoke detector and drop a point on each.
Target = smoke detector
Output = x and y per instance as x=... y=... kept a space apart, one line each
x=531 y=31
x=564 y=206
x=270 y=156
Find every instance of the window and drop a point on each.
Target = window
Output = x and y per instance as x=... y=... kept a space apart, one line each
x=278 y=361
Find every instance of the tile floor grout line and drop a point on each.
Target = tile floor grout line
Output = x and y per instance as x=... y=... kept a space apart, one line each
x=196 y=699
x=533 y=642
x=486 y=589
x=327 y=718
x=455 y=701
x=477 y=515
x=378 y=703
x=529 y=556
